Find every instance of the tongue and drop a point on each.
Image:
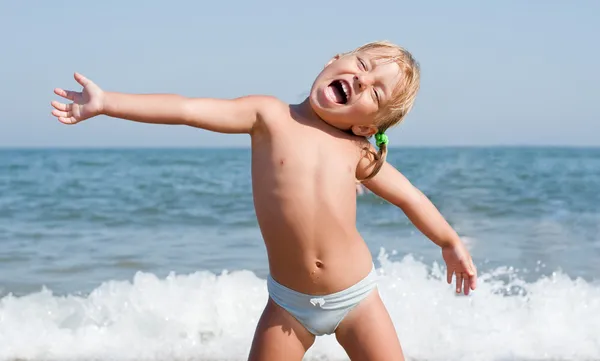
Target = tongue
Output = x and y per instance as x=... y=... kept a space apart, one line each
x=339 y=98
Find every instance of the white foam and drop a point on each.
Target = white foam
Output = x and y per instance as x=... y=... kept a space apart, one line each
x=203 y=316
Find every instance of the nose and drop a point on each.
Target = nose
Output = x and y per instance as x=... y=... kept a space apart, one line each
x=363 y=81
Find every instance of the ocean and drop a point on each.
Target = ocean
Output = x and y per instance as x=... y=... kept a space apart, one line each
x=155 y=254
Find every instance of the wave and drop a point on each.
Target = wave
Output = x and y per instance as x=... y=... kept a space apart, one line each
x=206 y=316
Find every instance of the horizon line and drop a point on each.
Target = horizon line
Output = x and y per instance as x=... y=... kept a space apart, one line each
x=201 y=147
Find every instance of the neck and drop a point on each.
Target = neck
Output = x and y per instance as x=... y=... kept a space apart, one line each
x=305 y=110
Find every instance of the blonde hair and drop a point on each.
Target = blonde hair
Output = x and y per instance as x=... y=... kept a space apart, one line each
x=403 y=95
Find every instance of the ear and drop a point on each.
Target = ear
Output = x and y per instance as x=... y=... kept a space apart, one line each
x=332 y=60
x=364 y=130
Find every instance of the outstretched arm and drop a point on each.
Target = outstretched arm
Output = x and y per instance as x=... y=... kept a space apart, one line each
x=220 y=115
x=394 y=187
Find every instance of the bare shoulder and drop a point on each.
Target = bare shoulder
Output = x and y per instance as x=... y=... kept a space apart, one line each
x=263 y=102
x=266 y=104
x=269 y=108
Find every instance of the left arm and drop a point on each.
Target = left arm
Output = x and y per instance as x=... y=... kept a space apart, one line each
x=395 y=188
x=392 y=186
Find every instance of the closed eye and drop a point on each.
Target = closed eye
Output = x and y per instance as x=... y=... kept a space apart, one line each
x=362 y=63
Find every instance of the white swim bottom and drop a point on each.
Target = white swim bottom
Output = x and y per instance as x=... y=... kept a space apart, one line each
x=322 y=314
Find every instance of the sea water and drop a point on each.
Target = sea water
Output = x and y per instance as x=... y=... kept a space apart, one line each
x=155 y=254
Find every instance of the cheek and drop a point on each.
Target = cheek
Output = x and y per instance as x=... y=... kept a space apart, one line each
x=365 y=106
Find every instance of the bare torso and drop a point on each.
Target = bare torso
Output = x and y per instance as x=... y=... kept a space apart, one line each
x=303 y=175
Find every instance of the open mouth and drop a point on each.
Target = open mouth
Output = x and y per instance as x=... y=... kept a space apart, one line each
x=340 y=91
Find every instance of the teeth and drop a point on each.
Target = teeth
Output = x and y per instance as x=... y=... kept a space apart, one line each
x=345 y=89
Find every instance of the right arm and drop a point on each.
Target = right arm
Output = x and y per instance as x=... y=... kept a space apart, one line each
x=219 y=115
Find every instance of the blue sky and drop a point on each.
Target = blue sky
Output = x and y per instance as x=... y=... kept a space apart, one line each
x=493 y=73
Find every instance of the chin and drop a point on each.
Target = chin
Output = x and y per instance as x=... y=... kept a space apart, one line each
x=318 y=102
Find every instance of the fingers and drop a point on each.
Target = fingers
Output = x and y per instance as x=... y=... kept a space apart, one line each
x=64 y=117
x=69 y=121
x=466 y=276
x=69 y=94
x=63 y=112
x=473 y=279
x=466 y=281
x=60 y=113
x=65 y=93
x=81 y=79
x=459 y=281
x=61 y=106
x=463 y=283
x=472 y=275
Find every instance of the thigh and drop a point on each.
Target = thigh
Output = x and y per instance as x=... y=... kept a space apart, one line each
x=279 y=336
x=367 y=332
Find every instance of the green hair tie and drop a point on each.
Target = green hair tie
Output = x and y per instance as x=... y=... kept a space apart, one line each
x=381 y=139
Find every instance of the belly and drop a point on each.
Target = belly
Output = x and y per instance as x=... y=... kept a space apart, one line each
x=323 y=263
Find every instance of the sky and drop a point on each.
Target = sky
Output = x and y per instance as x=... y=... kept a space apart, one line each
x=493 y=73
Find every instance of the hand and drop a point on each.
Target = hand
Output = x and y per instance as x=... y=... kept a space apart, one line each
x=459 y=262
x=85 y=104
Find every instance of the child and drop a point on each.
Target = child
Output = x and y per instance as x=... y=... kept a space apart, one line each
x=306 y=159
